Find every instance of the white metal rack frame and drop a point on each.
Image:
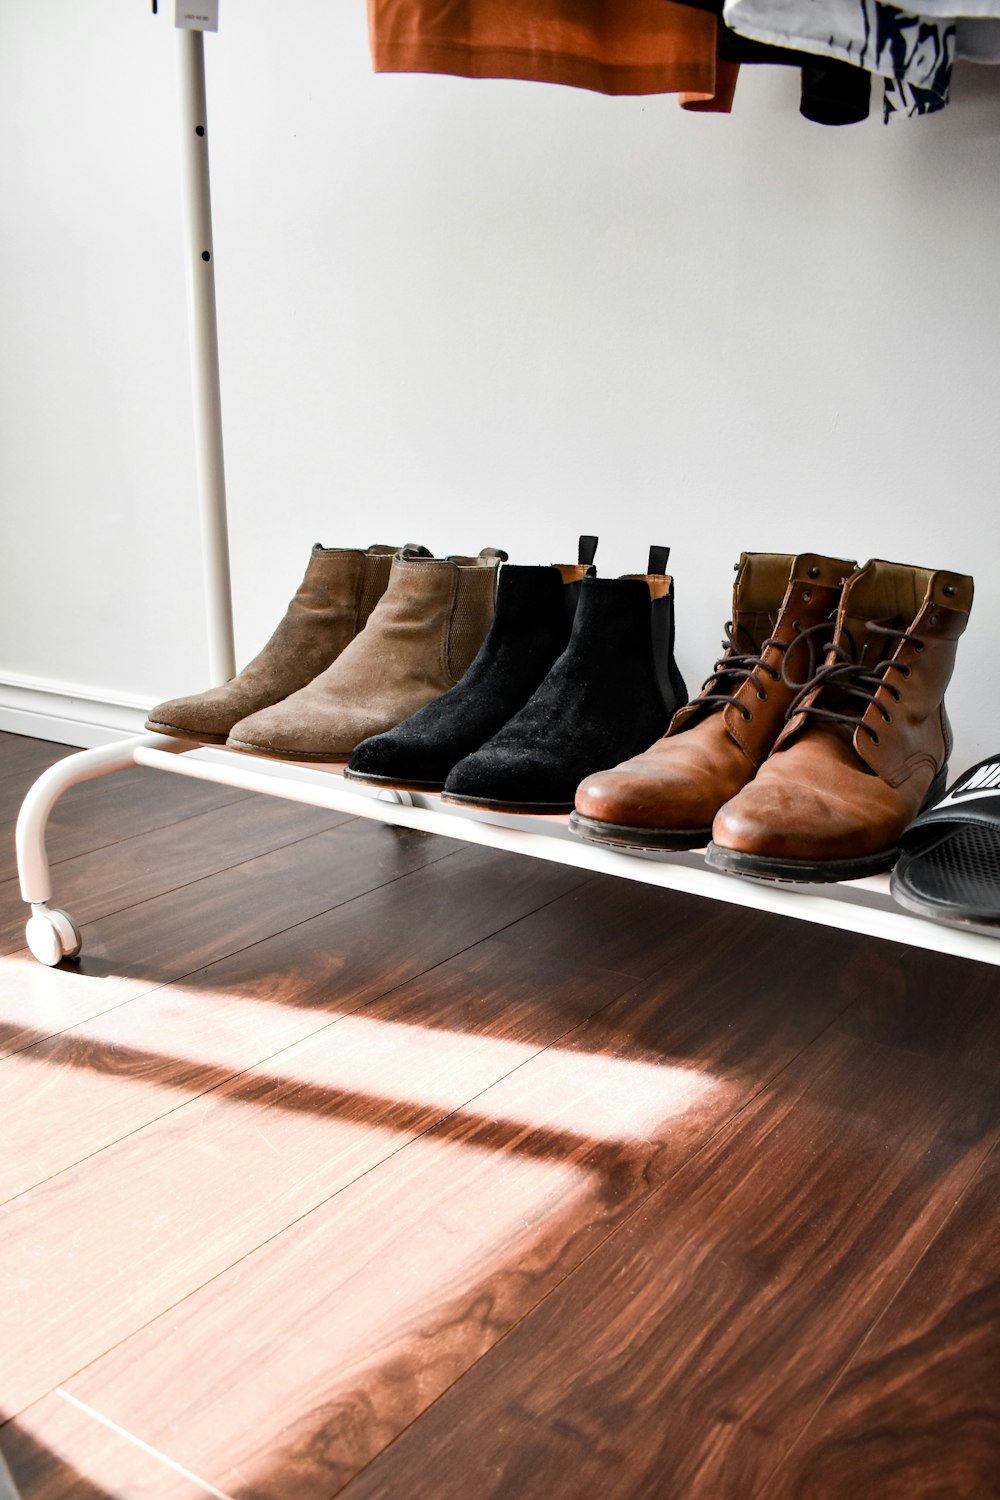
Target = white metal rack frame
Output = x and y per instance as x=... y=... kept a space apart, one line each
x=862 y=906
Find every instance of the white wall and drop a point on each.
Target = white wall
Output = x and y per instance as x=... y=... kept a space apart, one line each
x=467 y=314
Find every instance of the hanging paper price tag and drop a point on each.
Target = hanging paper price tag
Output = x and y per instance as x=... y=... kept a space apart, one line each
x=197 y=15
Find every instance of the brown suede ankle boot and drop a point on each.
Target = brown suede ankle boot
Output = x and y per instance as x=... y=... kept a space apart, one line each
x=340 y=589
x=667 y=797
x=867 y=741
x=421 y=637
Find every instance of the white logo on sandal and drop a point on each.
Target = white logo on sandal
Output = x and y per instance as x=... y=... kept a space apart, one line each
x=983 y=783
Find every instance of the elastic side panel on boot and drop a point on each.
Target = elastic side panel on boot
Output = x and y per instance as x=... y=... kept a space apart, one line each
x=572 y=575
x=671 y=684
x=373 y=584
x=472 y=618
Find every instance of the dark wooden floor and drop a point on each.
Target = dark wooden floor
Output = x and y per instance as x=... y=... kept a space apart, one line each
x=350 y=1161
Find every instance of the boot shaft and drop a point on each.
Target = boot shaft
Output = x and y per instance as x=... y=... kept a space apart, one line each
x=527 y=607
x=340 y=588
x=420 y=637
x=432 y=617
x=630 y=620
x=375 y=577
x=573 y=574
x=776 y=598
x=892 y=656
x=530 y=629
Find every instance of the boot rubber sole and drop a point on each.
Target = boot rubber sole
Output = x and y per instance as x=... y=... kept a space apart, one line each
x=323 y=757
x=799 y=871
x=495 y=804
x=185 y=734
x=645 y=840
x=395 y=782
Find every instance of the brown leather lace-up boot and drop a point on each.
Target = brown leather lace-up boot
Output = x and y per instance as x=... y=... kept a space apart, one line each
x=340 y=589
x=867 y=741
x=420 y=639
x=667 y=797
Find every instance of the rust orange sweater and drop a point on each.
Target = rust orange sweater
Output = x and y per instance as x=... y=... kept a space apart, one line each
x=610 y=46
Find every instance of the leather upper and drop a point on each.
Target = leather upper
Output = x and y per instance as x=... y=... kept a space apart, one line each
x=711 y=751
x=831 y=791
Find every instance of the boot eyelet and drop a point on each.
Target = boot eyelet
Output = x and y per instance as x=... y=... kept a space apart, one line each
x=814 y=573
x=806 y=595
x=918 y=645
x=762 y=695
x=874 y=738
x=886 y=718
x=747 y=715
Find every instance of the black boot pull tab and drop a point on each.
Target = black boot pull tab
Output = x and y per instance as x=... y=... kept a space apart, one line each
x=586 y=551
x=658 y=558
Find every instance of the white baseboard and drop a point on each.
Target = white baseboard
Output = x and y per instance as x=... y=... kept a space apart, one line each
x=67 y=712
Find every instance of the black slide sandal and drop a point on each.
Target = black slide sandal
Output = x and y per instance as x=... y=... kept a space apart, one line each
x=949 y=864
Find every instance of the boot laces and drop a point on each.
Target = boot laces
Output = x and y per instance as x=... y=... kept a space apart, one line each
x=849 y=677
x=738 y=666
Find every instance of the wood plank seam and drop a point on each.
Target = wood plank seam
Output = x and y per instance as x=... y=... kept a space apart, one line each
x=156 y=987
x=857 y=1352
x=433 y=1124
x=730 y=1123
x=226 y=869
x=145 y=1447
x=338 y=1103
x=183 y=884
x=173 y=822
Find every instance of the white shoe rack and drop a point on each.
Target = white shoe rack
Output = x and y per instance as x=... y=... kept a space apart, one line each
x=861 y=906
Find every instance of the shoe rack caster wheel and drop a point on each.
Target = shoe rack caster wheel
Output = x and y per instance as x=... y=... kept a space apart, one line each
x=52 y=935
x=393 y=794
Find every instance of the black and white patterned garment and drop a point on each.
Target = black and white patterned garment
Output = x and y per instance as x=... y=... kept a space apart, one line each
x=914 y=53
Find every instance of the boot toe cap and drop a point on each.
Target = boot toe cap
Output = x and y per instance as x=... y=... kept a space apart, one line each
x=381 y=755
x=402 y=756
x=637 y=798
x=308 y=729
x=492 y=777
x=609 y=797
x=287 y=730
x=209 y=714
x=790 y=820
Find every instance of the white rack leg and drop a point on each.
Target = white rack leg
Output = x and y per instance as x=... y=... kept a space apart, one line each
x=51 y=933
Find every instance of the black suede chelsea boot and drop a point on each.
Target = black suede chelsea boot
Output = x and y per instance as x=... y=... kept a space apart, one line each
x=614 y=685
x=535 y=607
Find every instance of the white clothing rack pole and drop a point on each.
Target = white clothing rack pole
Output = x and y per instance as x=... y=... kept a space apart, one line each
x=52 y=935
x=205 y=382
